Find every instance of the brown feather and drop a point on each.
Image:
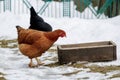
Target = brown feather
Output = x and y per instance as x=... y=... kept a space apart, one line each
x=33 y=43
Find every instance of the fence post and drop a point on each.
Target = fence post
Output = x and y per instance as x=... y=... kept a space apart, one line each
x=7 y=5
x=117 y=7
x=27 y=3
x=66 y=8
x=104 y=7
x=42 y=9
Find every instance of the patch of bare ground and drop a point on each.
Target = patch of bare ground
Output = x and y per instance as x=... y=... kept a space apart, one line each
x=2 y=76
x=8 y=43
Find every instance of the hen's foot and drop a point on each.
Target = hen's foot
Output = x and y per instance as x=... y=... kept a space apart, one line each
x=39 y=62
x=31 y=65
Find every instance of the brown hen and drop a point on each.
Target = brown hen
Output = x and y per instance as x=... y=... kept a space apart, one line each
x=33 y=43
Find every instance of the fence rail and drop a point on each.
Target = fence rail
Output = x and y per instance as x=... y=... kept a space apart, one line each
x=88 y=9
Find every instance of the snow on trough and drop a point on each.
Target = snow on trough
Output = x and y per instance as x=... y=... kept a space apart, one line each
x=14 y=65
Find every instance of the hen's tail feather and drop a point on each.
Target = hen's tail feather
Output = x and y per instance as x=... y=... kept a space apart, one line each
x=32 y=12
x=19 y=28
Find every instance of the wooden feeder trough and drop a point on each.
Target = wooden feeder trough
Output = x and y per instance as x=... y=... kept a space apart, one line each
x=92 y=52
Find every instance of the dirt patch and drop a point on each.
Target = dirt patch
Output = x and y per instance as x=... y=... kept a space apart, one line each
x=71 y=73
x=53 y=64
x=104 y=69
x=8 y=43
x=96 y=68
x=115 y=76
x=2 y=76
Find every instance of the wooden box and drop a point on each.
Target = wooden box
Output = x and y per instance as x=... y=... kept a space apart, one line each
x=92 y=52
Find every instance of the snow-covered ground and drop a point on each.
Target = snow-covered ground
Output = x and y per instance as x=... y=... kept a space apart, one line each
x=14 y=65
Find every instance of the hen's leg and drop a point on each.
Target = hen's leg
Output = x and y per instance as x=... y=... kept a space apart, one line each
x=38 y=61
x=31 y=64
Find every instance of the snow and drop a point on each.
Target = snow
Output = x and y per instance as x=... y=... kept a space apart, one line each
x=14 y=65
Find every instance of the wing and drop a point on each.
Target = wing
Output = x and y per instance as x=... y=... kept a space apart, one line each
x=29 y=36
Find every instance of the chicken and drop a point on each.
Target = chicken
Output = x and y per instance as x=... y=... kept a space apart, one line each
x=37 y=23
x=33 y=43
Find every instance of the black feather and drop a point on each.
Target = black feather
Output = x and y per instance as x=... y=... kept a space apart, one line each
x=37 y=22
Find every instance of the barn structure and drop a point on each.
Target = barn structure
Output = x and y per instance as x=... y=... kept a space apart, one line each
x=64 y=8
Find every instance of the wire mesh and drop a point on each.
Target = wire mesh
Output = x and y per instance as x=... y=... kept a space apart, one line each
x=56 y=8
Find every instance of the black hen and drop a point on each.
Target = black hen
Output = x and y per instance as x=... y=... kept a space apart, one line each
x=37 y=23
